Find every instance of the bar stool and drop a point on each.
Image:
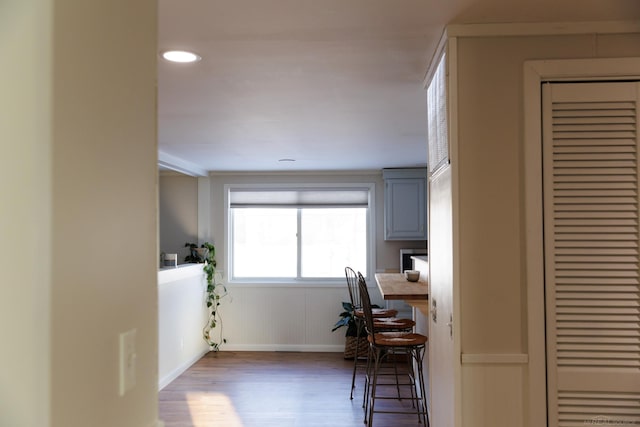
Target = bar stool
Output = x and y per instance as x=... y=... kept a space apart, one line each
x=385 y=344
x=356 y=301
x=385 y=319
x=388 y=326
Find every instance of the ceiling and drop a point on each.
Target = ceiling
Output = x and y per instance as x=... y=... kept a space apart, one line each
x=332 y=84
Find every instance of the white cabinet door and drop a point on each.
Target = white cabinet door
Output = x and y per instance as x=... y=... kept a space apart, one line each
x=442 y=354
x=405 y=204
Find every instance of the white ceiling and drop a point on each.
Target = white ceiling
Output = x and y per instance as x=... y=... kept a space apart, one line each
x=333 y=84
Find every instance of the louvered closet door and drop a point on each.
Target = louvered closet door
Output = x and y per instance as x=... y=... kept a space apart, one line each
x=592 y=267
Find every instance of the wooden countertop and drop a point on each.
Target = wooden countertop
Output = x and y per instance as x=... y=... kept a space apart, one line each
x=393 y=286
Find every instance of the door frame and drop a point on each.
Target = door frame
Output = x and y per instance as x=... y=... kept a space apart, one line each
x=535 y=73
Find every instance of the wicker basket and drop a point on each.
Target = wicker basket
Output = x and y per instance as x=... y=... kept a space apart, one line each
x=350 y=347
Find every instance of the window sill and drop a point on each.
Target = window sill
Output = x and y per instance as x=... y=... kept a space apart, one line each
x=337 y=283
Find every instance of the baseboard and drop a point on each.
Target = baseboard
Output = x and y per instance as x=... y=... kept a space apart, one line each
x=284 y=347
x=167 y=379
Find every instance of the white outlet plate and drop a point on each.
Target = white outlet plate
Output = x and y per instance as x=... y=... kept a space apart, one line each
x=127 y=361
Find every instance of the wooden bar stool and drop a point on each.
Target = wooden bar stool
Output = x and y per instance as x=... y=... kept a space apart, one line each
x=356 y=303
x=383 y=345
x=384 y=320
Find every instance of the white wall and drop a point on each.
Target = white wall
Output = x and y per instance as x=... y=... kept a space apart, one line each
x=182 y=315
x=178 y=203
x=492 y=216
x=267 y=318
x=279 y=317
x=25 y=212
x=491 y=176
x=79 y=207
x=104 y=266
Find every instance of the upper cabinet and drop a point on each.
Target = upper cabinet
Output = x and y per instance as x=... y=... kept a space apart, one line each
x=405 y=204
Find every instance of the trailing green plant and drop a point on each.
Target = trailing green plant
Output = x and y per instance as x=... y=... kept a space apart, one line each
x=214 y=293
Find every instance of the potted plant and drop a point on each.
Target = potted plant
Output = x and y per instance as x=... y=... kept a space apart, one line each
x=348 y=320
x=215 y=292
x=196 y=254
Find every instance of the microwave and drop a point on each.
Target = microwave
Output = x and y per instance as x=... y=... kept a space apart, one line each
x=406 y=263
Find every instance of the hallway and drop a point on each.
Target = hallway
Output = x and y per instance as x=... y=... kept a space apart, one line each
x=270 y=389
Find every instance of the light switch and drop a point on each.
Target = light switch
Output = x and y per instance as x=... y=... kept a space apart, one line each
x=127 y=361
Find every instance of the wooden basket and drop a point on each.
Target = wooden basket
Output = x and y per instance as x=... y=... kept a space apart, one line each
x=350 y=347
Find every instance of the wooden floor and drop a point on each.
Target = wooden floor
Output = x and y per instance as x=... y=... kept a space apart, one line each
x=279 y=389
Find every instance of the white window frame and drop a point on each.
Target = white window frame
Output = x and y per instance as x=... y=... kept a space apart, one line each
x=299 y=282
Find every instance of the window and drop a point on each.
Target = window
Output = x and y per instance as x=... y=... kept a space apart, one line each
x=298 y=234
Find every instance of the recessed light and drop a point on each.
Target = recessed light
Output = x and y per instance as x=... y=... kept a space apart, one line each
x=182 y=56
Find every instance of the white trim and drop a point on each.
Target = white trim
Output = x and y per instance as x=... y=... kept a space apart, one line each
x=534 y=246
x=435 y=59
x=167 y=379
x=229 y=236
x=536 y=72
x=452 y=102
x=495 y=359
x=177 y=164
x=582 y=69
x=542 y=28
x=371 y=230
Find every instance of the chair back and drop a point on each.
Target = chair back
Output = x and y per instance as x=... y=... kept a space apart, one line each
x=366 y=307
x=352 y=285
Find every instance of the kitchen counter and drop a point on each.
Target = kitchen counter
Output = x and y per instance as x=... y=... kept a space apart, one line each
x=393 y=286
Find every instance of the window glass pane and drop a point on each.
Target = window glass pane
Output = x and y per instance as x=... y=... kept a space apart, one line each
x=264 y=243
x=333 y=239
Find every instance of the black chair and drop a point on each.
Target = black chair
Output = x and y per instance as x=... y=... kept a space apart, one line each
x=386 y=345
x=384 y=318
